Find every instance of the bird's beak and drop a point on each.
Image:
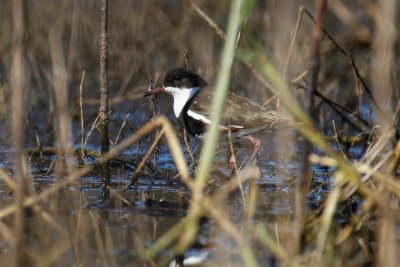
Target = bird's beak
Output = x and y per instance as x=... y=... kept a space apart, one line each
x=155 y=91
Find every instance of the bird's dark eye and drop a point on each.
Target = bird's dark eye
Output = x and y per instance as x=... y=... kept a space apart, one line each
x=178 y=77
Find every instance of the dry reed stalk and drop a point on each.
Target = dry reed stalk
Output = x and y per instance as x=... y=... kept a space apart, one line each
x=267 y=240
x=339 y=144
x=145 y=159
x=378 y=147
x=304 y=179
x=388 y=181
x=72 y=49
x=187 y=145
x=94 y=126
x=173 y=144
x=250 y=209
x=327 y=218
x=104 y=90
x=81 y=111
x=387 y=241
x=314 y=55
x=7 y=234
x=104 y=95
x=81 y=227
x=382 y=79
x=292 y=43
x=394 y=162
x=60 y=86
x=39 y=145
x=207 y=19
x=100 y=240
x=121 y=128
x=251 y=202
x=383 y=62
x=17 y=84
x=8 y=180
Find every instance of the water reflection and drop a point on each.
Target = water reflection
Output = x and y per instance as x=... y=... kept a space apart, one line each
x=83 y=227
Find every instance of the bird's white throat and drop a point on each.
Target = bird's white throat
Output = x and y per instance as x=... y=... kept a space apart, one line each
x=181 y=97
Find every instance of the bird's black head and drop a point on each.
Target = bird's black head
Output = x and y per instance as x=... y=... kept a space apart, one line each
x=183 y=78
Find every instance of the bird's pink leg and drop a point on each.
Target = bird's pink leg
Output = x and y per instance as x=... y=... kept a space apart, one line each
x=232 y=162
x=257 y=147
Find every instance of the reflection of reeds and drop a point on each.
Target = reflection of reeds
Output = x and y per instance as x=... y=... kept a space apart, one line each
x=142 y=132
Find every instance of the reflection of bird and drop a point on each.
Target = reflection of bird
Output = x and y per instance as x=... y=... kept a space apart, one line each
x=192 y=99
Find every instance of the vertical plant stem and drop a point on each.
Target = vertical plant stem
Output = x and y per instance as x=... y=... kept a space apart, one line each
x=383 y=71
x=314 y=56
x=304 y=179
x=104 y=93
x=17 y=87
x=327 y=217
x=383 y=60
x=60 y=86
x=81 y=111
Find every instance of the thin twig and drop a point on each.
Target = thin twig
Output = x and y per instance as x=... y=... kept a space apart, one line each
x=94 y=125
x=144 y=160
x=299 y=16
x=121 y=128
x=81 y=110
x=348 y=56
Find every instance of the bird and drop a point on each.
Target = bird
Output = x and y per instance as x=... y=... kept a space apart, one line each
x=192 y=98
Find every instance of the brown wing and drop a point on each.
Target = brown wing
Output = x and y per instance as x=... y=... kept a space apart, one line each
x=240 y=112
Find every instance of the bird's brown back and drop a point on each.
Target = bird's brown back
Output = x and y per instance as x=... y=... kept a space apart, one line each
x=240 y=111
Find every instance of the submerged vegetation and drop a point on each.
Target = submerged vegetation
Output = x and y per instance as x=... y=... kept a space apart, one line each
x=90 y=180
